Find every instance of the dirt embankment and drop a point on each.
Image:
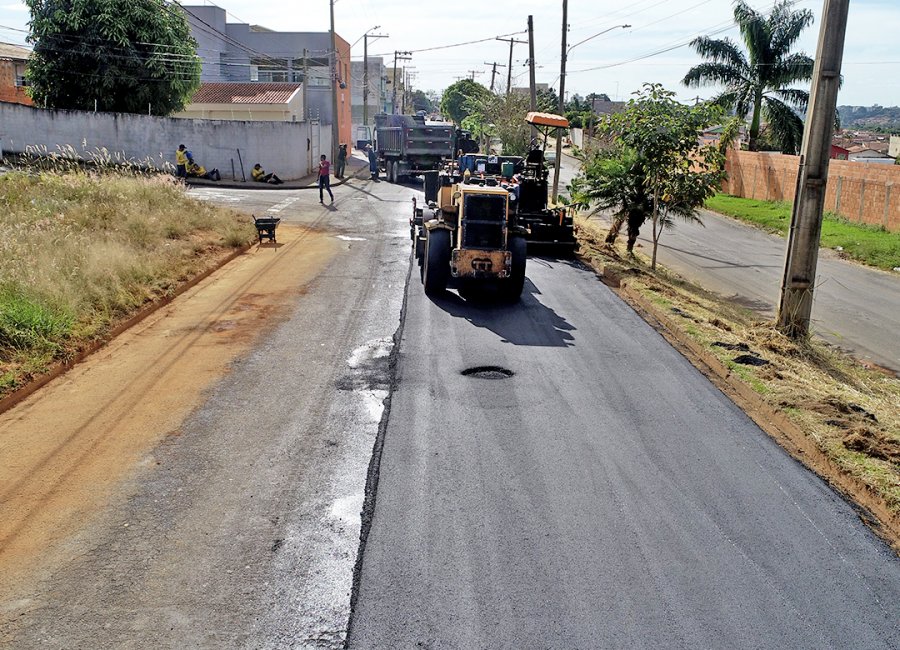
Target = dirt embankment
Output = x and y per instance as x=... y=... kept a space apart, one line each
x=67 y=446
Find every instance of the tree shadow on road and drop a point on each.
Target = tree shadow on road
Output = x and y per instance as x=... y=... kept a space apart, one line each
x=527 y=322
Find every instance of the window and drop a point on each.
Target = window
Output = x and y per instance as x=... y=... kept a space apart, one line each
x=267 y=69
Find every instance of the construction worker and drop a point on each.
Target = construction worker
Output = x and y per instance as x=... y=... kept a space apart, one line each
x=199 y=171
x=341 y=161
x=181 y=160
x=260 y=176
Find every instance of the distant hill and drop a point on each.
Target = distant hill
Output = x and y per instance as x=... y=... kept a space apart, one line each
x=872 y=118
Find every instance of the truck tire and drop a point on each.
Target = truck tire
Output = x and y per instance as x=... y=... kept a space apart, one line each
x=392 y=172
x=511 y=288
x=436 y=268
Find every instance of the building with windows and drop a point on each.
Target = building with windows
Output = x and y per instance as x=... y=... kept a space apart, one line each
x=13 y=60
x=378 y=100
x=237 y=52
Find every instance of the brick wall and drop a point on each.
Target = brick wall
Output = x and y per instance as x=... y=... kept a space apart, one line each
x=8 y=90
x=860 y=192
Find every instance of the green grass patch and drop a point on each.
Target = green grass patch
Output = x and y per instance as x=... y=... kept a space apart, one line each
x=871 y=245
x=81 y=250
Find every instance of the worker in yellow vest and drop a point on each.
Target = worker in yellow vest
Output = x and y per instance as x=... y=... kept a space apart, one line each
x=181 y=161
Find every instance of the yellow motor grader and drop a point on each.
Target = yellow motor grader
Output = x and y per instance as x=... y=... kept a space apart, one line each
x=469 y=236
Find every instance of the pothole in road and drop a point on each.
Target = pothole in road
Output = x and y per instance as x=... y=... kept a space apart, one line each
x=487 y=372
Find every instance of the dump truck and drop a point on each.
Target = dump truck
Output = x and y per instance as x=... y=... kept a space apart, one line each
x=466 y=236
x=408 y=145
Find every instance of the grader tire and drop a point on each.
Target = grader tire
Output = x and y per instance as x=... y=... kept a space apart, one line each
x=436 y=269
x=512 y=287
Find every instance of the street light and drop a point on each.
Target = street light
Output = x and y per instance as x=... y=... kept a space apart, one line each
x=562 y=91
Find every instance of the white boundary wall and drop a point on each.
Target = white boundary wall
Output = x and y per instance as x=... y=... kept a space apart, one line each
x=286 y=148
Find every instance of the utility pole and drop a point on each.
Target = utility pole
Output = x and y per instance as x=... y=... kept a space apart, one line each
x=366 y=38
x=407 y=76
x=305 y=84
x=511 y=42
x=533 y=91
x=335 y=122
x=494 y=72
x=562 y=98
x=472 y=73
x=402 y=56
x=798 y=283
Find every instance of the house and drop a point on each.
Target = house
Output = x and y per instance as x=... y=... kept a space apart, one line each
x=238 y=52
x=13 y=59
x=839 y=153
x=272 y=102
x=894 y=146
x=862 y=153
x=378 y=100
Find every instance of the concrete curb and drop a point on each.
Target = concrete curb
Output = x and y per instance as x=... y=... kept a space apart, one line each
x=872 y=509
x=305 y=183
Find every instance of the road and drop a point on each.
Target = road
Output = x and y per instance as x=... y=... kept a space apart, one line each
x=604 y=495
x=855 y=308
x=237 y=523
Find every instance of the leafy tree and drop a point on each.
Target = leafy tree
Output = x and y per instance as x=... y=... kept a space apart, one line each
x=127 y=55
x=579 y=119
x=458 y=97
x=655 y=167
x=756 y=84
x=547 y=101
x=502 y=116
x=421 y=102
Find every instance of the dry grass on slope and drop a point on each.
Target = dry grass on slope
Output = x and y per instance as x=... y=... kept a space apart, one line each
x=80 y=251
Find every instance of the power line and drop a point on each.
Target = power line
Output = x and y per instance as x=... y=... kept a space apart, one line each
x=444 y=47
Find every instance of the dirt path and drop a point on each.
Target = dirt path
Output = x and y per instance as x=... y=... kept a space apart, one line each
x=66 y=448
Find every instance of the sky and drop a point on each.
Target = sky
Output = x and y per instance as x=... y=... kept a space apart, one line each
x=653 y=49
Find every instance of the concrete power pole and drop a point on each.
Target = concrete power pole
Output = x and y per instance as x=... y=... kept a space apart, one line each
x=366 y=38
x=401 y=56
x=795 y=307
x=494 y=67
x=562 y=98
x=531 y=66
x=511 y=42
x=335 y=76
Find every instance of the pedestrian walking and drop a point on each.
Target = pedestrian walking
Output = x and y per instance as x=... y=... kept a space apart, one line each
x=181 y=160
x=341 y=161
x=373 y=162
x=325 y=179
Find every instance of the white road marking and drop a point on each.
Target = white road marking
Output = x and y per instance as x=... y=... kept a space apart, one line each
x=278 y=207
x=347 y=238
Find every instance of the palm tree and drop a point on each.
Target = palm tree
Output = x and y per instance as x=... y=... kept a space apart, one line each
x=756 y=83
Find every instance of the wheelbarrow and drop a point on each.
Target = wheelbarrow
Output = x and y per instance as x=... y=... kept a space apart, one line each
x=265 y=227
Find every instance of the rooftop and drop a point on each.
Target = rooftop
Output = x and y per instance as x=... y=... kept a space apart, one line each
x=10 y=51
x=245 y=93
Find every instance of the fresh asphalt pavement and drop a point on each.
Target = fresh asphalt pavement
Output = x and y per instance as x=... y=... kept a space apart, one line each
x=605 y=495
